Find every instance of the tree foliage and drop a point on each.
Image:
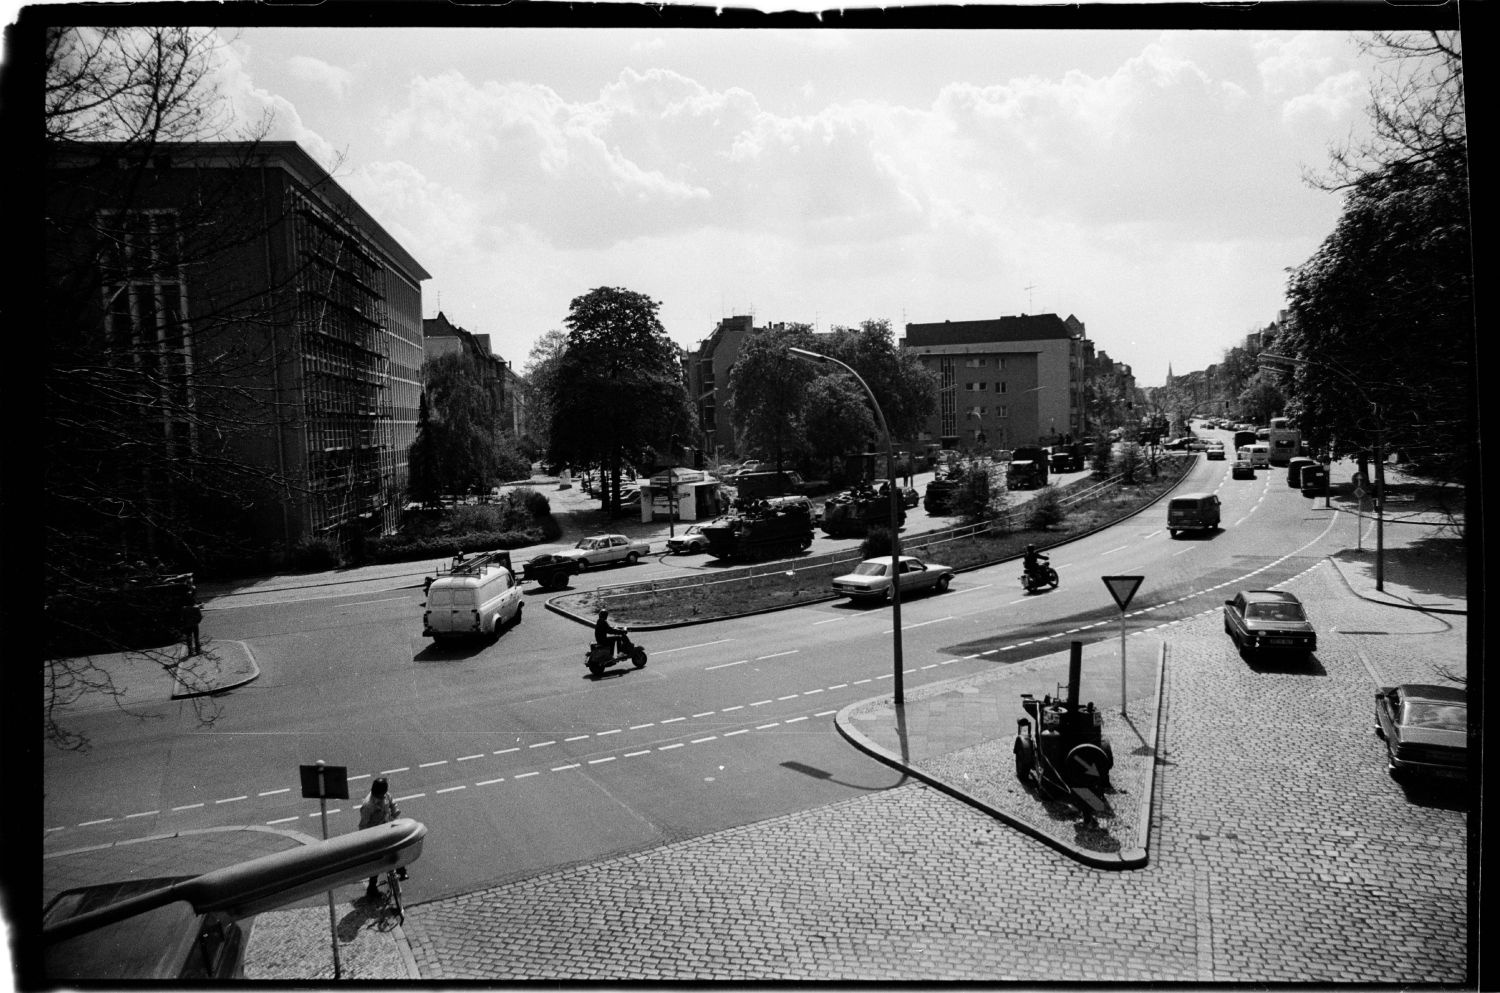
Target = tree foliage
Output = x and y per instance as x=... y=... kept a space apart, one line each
x=541 y=382
x=618 y=387
x=766 y=393
x=1381 y=318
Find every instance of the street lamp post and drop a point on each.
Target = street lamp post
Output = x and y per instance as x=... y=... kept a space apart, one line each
x=890 y=469
x=1379 y=454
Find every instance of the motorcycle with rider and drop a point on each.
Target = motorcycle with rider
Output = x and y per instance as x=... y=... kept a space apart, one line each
x=1036 y=572
x=611 y=645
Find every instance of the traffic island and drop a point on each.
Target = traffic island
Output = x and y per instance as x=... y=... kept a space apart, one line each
x=959 y=736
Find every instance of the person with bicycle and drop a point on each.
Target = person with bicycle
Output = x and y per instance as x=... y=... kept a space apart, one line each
x=378 y=808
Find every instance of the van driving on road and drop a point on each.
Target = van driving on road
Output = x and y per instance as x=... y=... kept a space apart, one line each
x=477 y=598
x=1192 y=512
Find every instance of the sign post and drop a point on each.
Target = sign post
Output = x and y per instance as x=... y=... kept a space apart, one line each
x=325 y=782
x=1122 y=588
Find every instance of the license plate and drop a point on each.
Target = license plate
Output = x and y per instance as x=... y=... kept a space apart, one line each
x=1280 y=641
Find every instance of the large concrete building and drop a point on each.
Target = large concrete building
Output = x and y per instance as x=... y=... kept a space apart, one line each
x=317 y=306
x=1004 y=382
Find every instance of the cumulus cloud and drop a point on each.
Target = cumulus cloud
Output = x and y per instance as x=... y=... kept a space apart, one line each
x=332 y=78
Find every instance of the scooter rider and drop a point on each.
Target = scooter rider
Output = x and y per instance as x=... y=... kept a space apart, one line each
x=607 y=635
x=1036 y=563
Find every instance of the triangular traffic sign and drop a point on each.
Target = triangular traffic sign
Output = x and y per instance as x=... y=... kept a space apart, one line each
x=1122 y=588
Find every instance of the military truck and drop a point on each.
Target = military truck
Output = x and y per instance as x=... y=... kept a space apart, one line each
x=1028 y=468
x=942 y=492
x=759 y=533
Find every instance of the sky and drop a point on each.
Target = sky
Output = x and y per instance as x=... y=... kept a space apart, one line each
x=1151 y=183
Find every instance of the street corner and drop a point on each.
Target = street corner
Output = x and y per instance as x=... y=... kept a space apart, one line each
x=222 y=666
x=297 y=944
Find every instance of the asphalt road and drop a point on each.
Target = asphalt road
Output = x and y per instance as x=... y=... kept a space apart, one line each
x=519 y=761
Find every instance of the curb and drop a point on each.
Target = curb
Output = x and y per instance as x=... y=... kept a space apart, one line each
x=1393 y=601
x=254 y=673
x=1136 y=858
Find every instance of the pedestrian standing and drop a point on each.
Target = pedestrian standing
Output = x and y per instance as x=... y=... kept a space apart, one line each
x=192 y=616
x=378 y=808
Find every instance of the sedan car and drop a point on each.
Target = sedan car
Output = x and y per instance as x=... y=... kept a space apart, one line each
x=1269 y=620
x=1242 y=469
x=603 y=549
x=690 y=541
x=871 y=579
x=1425 y=729
x=1215 y=452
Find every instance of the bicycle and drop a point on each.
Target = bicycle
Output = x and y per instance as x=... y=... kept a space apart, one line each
x=393 y=882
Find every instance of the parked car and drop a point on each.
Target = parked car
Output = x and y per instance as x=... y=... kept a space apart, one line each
x=1269 y=620
x=1197 y=444
x=604 y=549
x=1215 y=451
x=690 y=541
x=1242 y=469
x=1425 y=728
x=871 y=579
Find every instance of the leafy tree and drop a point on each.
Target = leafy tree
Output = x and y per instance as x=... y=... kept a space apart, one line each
x=465 y=419
x=905 y=389
x=1261 y=399
x=837 y=417
x=618 y=387
x=541 y=379
x=1045 y=510
x=1103 y=458
x=766 y=392
x=423 y=478
x=980 y=496
x=1130 y=462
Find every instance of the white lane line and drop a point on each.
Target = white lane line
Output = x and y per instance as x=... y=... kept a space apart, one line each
x=970 y=589
x=776 y=655
x=282 y=820
x=673 y=720
x=637 y=727
x=706 y=713
x=232 y=799
x=731 y=734
x=790 y=696
x=1153 y=534
x=1190 y=548
x=102 y=820
x=542 y=744
x=699 y=741
x=576 y=737
x=811 y=692
x=725 y=665
x=565 y=768
x=644 y=751
x=668 y=748
x=1014 y=602
x=835 y=686
x=921 y=624
x=490 y=782
x=506 y=751
x=603 y=733
x=794 y=720
x=859 y=682
x=187 y=806
x=450 y=789
x=760 y=703
x=387 y=772
x=409 y=796
x=470 y=758
x=429 y=765
x=607 y=758
x=284 y=789
x=825 y=713
x=1113 y=550
x=688 y=648
x=144 y=813
x=738 y=706
x=526 y=775
x=766 y=727
x=831 y=620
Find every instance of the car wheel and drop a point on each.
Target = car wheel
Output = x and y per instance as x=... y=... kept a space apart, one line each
x=1025 y=758
x=890 y=594
x=583 y=565
x=516 y=620
x=942 y=584
x=632 y=558
x=638 y=658
x=1171 y=533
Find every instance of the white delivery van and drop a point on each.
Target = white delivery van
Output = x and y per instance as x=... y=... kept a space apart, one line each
x=477 y=598
x=1259 y=455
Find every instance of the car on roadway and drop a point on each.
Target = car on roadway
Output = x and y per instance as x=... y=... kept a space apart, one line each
x=1197 y=444
x=1269 y=621
x=871 y=579
x=910 y=497
x=690 y=541
x=606 y=549
x=1215 y=452
x=1242 y=469
x=1425 y=728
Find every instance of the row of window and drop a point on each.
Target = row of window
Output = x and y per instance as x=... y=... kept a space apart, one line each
x=983 y=387
x=979 y=361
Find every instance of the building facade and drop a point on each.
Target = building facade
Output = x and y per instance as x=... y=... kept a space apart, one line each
x=249 y=274
x=506 y=388
x=705 y=369
x=1004 y=382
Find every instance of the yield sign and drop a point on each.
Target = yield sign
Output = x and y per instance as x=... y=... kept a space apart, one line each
x=1122 y=588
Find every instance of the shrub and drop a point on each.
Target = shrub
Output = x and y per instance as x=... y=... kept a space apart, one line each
x=314 y=555
x=1104 y=457
x=978 y=497
x=1045 y=510
x=1130 y=462
x=877 y=544
x=535 y=502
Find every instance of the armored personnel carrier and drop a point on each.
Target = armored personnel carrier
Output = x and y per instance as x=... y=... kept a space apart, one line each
x=853 y=512
x=760 y=533
x=941 y=492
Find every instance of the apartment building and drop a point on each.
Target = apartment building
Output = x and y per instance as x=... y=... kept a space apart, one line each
x=1004 y=382
x=243 y=270
x=506 y=388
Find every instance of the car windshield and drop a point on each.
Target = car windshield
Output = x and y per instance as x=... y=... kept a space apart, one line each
x=1275 y=612
x=585 y=543
x=1430 y=714
x=870 y=569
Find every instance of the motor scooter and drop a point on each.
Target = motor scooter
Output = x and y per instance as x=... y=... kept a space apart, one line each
x=1043 y=576
x=600 y=657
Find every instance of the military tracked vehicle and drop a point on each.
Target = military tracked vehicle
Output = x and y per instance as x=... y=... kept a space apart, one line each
x=760 y=533
x=854 y=512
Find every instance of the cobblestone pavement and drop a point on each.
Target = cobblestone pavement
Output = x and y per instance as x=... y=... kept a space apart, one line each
x=1281 y=852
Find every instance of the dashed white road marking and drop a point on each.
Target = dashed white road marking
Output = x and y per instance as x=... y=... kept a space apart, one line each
x=688 y=648
x=725 y=665
x=776 y=655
